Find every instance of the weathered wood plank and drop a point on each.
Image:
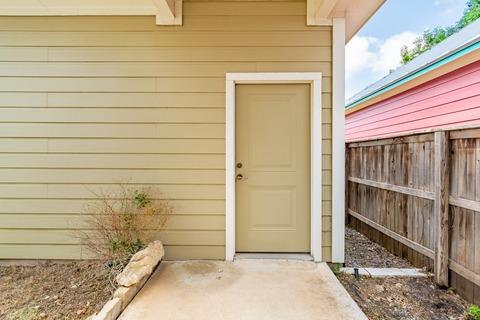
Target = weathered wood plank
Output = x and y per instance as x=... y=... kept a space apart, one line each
x=454 y=231
x=347 y=187
x=470 y=178
x=420 y=166
x=464 y=272
x=470 y=239
x=465 y=134
x=476 y=268
x=461 y=244
x=391 y=187
x=477 y=170
x=462 y=169
x=465 y=203
x=441 y=207
x=392 y=141
x=454 y=168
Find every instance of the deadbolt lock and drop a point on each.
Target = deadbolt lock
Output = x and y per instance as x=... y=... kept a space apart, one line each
x=239 y=165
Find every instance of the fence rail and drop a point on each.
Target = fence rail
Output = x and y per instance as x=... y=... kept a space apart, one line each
x=419 y=196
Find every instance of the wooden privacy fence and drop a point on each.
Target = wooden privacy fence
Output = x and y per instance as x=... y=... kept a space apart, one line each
x=419 y=196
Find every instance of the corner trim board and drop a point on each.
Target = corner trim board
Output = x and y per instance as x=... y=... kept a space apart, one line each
x=338 y=142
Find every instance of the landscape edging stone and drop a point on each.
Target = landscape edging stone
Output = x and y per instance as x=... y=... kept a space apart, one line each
x=151 y=256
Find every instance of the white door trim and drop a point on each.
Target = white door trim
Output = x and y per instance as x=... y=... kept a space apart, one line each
x=315 y=81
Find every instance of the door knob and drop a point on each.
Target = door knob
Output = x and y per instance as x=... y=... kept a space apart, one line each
x=239 y=177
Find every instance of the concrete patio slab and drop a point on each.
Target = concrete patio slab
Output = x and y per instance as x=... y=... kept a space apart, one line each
x=243 y=290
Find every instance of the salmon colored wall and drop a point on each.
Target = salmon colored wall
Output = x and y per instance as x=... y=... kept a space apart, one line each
x=450 y=100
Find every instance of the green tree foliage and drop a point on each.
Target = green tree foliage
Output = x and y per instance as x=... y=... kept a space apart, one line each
x=437 y=35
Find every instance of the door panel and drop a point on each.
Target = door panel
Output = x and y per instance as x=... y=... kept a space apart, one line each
x=273 y=148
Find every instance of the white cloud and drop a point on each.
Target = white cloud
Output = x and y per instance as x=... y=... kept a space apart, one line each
x=358 y=54
x=388 y=56
x=369 y=58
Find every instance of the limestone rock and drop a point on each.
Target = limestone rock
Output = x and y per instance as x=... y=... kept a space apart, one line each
x=142 y=263
x=126 y=294
x=110 y=311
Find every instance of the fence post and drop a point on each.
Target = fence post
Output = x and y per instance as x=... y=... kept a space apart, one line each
x=442 y=177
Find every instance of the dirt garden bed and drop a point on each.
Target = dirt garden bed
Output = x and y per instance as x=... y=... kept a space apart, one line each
x=72 y=290
x=394 y=297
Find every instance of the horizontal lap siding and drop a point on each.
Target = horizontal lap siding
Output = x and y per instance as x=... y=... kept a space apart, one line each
x=86 y=102
x=450 y=100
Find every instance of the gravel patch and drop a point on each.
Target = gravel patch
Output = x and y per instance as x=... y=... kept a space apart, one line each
x=362 y=252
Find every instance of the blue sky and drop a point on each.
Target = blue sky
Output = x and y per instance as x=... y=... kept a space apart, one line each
x=376 y=48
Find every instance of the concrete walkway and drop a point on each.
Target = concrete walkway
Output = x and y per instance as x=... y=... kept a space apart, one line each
x=244 y=289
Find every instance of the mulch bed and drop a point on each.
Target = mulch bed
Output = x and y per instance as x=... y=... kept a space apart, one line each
x=72 y=290
x=403 y=298
x=394 y=297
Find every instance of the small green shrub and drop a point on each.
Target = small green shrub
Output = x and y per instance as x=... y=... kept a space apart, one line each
x=473 y=313
x=122 y=222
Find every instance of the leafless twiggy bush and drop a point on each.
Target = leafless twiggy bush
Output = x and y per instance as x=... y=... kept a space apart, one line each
x=123 y=221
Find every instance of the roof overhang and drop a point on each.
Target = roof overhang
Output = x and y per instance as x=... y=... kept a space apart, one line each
x=167 y=12
x=319 y=12
x=355 y=12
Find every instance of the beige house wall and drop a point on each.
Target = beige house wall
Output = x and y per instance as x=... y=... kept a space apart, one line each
x=86 y=102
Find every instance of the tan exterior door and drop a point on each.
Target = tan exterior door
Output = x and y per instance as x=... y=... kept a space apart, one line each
x=272 y=168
